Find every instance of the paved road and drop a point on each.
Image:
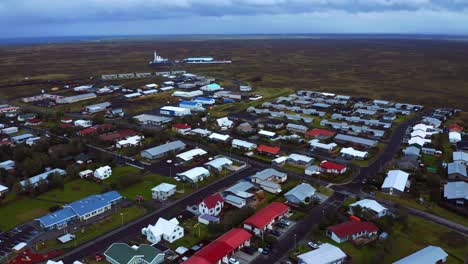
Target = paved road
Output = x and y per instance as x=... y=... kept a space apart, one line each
x=168 y=211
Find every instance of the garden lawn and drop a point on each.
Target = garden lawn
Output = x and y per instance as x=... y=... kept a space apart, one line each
x=150 y=181
x=194 y=233
x=22 y=210
x=118 y=172
x=72 y=191
x=433 y=209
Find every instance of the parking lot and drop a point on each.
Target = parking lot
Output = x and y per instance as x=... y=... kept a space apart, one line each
x=15 y=236
x=245 y=258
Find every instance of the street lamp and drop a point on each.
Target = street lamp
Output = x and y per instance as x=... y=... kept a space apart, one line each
x=121 y=217
x=170 y=167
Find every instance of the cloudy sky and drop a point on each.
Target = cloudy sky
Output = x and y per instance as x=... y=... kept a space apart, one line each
x=32 y=18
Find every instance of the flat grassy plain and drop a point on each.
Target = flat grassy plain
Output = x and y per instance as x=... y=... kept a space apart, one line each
x=430 y=72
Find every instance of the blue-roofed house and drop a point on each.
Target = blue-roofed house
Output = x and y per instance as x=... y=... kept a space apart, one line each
x=21 y=138
x=191 y=105
x=301 y=194
x=429 y=254
x=80 y=210
x=205 y=100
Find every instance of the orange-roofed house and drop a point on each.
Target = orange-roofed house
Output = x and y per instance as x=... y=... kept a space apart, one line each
x=320 y=133
x=264 y=149
x=265 y=218
x=220 y=250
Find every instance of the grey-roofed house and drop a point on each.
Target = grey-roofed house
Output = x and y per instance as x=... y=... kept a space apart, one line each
x=121 y=253
x=269 y=175
x=429 y=255
x=456 y=192
x=235 y=201
x=241 y=189
x=301 y=194
x=356 y=140
x=408 y=163
x=163 y=150
x=412 y=151
x=456 y=170
x=296 y=128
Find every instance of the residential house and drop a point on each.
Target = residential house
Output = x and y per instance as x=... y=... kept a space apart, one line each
x=456 y=192
x=311 y=170
x=319 y=133
x=427 y=255
x=455 y=137
x=163 y=150
x=460 y=157
x=3 y=190
x=367 y=143
x=235 y=201
x=103 y=173
x=190 y=155
x=352 y=230
x=396 y=182
x=324 y=254
x=149 y=120
x=315 y=144
x=371 y=205
x=264 y=219
x=200 y=132
x=353 y=153
x=219 y=137
x=80 y=210
x=85 y=174
x=412 y=151
x=245 y=128
x=271 y=151
x=296 y=128
x=408 y=163
x=455 y=128
x=8 y=165
x=83 y=123
x=300 y=160
x=182 y=129
x=163 y=191
x=241 y=144
x=301 y=194
x=219 y=163
x=269 y=175
x=266 y=133
x=456 y=170
x=224 y=123
x=121 y=253
x=271 y=187
x=211 y=205
x=167 y=230
x=332 y=167
x=194 y=175
x=133 y=141
x=220 y=250
x=35 y=180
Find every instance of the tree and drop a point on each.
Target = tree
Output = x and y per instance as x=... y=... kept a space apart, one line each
x=73 y=171
x=56 y=180
x=17 y=188
x=433 y=180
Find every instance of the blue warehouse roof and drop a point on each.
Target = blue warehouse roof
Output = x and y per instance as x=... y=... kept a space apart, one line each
x=204 y=99
x=57 y=217
x=94 y=202
x=79 y=208
x=188 y=103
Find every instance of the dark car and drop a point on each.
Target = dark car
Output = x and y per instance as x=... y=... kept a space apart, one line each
x=265 y=251
x=249 y=250
x=275 y=232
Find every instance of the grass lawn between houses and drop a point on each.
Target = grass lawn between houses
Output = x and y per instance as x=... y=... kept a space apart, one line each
x=194 y=233
x=94 y=230
x=428 y=207
x=420 y=234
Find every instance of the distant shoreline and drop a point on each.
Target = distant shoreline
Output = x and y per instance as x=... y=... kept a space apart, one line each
x=203 y=37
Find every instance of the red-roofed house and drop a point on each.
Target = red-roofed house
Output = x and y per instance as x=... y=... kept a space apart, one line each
x=87 y=131
x=266 y=217
x=181 y=128
x=33 y=122
x=320 y=133
x=211 y=205
x=222 y=248
x=331 y=167
x=455 y=128
x=351 y=230
x=264 y=149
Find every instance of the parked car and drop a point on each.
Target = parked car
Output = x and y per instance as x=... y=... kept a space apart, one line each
x=265 y=251
x=280 y=225
x=249 y=250
x=233 y=261
x=285 y=221
x=313 y=245
x=275 y=233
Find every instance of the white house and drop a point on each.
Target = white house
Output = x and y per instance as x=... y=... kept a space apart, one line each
x=195 y=174
x=167 y=230
x=351 y=152
x=325 y=254
x=219 y=137
x=130 y=142
x=103 y=172
x=211 y=205
x=83 y=123
x=455 y=137
x=316 y=144
x=85 y=174
x=219 y=163
x=224 y=123
x=241 y=144
x=395 y=182
x=189 y=155
x=163 y=191
x=266 y=133
x=371 y=205
x=429 y=255
x=460 y=157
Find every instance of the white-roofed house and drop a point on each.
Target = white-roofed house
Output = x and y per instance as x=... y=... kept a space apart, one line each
x=456 y=192
x=316 y=144
x=460 y=157
x=325 y=254
x=371 y=205
x=163 y=191
x=103 y=173
x=219 y=163
x=299 y=159
x=396 y=182
x=219 y=137
x=418 y=141
x=301 y=194
x=195 y=174
x=191 y=154
x=167 y=230
x=456 y=170
x=224 y=123
x=454 y=137
x=266 y=133
x=353 y=153
x=130 y=142
x=427 y=255
x=241 y=144
x=3 y=190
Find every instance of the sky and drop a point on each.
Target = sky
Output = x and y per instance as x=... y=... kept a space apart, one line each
x=42 y=18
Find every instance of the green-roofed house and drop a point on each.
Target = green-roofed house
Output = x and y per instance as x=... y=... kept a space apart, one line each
x=121 y=253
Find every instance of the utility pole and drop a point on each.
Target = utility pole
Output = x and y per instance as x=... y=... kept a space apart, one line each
x=295 y=245
x=121 y=215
